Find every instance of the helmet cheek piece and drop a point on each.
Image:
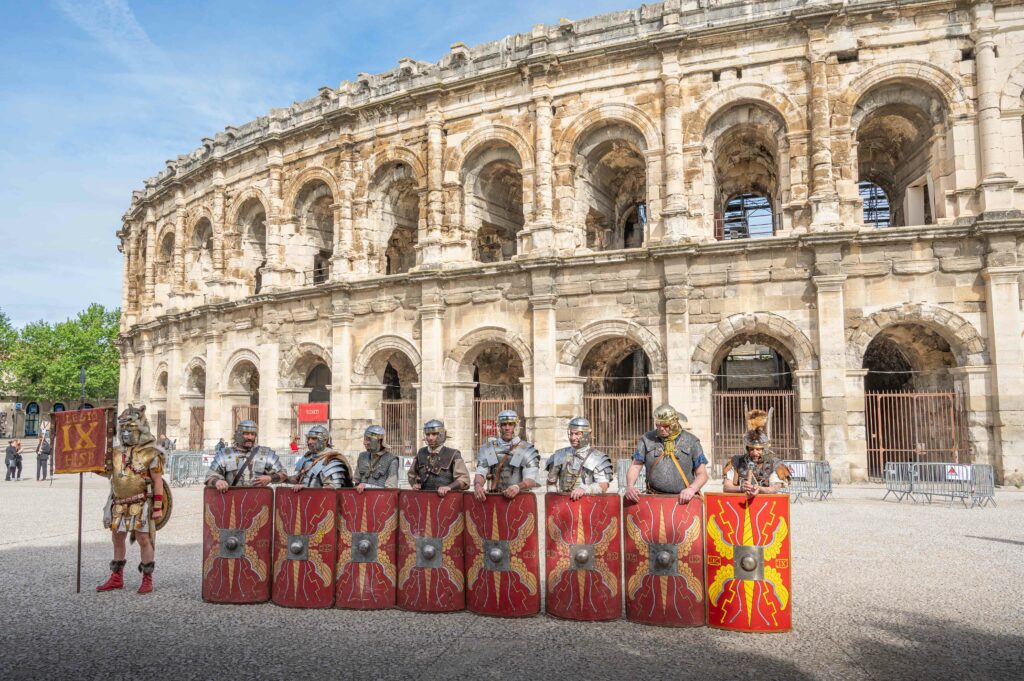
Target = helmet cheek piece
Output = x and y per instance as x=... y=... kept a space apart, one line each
x=437 y=427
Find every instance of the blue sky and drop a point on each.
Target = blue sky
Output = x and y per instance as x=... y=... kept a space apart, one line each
x=96 y=94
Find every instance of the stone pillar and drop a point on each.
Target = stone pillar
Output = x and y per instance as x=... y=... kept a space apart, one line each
x=1002 y=298
x=856 y=422
x=146 y=362
x=674 y=213
x=341 y=375
x=676 y=334
x=178 y=267
x=219 y=219
x=214 y=408
x=543 y=412
x=277 y=213
x=150 y=246
x=698 y=411
x=342 y=260
x=542 y=231
x=270 y=384
x=431 y=246
x=824 y=198
x=831 y=330
x=175 y=429
x=431 y=395
x=569 y=403
x=459 y=419
x=996 y=188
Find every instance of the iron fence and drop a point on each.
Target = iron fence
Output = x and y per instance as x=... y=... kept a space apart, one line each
x=617 y=421
x=911 y=427
x=398 y=418
x=485 y=418
x=729 y=422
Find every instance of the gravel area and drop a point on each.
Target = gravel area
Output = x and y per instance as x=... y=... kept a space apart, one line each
x=881 y=590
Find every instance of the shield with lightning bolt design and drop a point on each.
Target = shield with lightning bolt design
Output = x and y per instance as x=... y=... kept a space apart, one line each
x=430 y=552
x=305 y=547
x=502 y=560
x=367 y=546
x=664 y=561
x=583 y=553
x=236 y=545
x=749 y=571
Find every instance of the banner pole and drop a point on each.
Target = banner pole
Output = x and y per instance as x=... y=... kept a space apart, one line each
x=78 y=571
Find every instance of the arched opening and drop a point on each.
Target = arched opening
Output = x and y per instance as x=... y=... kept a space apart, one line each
x=900 y=131
x=193 y=399
x=314 y=213
x=611 y=187
x=913 y=411
x=165 y=259
x=161 y=385
x=251 y=227
x=395 y=373
x=493 y=183
x=746 y=143
x=137 y=387
x=32 y=419
x=617 y=395
x=754 y=371
x=396 y=204
x=200 y=255
x=244 y=392
x=318 y=380
x=876 y=205
x=497 y=377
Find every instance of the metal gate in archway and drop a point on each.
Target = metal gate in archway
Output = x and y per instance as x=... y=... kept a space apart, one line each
x=917 y=427
x=729 y=422
x=244 y=412
x=485 y=419
x=618 y=421
x=398 y=418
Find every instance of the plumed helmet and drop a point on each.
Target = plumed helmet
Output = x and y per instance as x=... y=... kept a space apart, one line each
x=759 y=428
x=582 y=425
x=241 y=429
x=374 y=436
x=436 y=426
x=133 y=426
x=321 y=438
x=508 y=416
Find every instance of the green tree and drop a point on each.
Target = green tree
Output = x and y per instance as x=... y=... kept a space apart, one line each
x=8 y=341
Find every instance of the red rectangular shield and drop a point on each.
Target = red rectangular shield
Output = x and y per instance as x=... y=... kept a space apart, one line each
x=430 y=552
x=367 y=548
x=236 y=544
x=749 y=569
x=305 y=547
x=583 y=553
x=664 y=560
x=502 y=559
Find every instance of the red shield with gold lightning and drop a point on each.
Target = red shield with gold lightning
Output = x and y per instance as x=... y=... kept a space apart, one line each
x=664 y=561
x=367 y=547
x=430 y=552
x=582 y=556
x=236 y=545
x=502 y=560
x=305 y=547
x=749 y=571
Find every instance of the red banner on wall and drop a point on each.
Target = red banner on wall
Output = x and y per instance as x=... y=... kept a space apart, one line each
x=80 y=441
x=313 y=412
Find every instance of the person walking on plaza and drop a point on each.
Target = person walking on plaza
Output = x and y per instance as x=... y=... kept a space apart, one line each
x=436 y=467
x=42 y=459
x=221 y=447
x=377 y=466
x=137 y=505
x=9 y=457
x=16 y=469
x=674 y=459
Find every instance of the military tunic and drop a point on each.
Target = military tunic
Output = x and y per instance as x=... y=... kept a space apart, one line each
x=225 y=466
x=662 y=474
x=569 y=468
x=378 y=470
x=443 y=467
x=506 y=463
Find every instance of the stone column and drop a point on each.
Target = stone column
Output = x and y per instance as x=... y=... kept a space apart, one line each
x=150 y=246
x=431 y=246
x=676 y=334
x=831 y=330
x=178 y=268
x=543 y=412
x=125 y=248
x=824 y=198
x=996 y=188
x=214 y=416
x=175 y=429
x=342 y=260
x=674 y=213
x=459 y=419
x=276 y=215
x=542 y=231
x=146 y=362
x=698 y=410
x=219 y=219
x=856 y=421
x=341 y=374
x=431 y=395
x=1002 y=299
x=270 y=384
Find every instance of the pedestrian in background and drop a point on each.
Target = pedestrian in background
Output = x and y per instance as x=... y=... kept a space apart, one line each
x=294 y=445
x=42 y=459
x=16 y=471
x=221 y=446
x=9 y=454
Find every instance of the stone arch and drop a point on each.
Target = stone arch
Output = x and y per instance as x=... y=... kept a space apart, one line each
x=187 y=384
x=1013 y=90
x=238 y=356
x=197 y=215
x=458 y=364
x=299 y=182
x=162 y=381
x=965 y=342
x=362 y=367
x=718 y=341
x=743 y=93
x=576 y=348
x=397 y=155
x=243 y=197
x=456 y=157
x=949 y=88
x=297 y=360
x=600 y=116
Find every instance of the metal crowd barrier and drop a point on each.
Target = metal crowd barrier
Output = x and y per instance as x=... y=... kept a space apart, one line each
x=188 y=468
x=957 y=481
x=810 y=479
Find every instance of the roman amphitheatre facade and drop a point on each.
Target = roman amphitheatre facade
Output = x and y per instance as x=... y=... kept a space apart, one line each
x=808 y=205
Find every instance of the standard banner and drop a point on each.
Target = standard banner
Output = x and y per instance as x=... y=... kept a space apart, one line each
x=367 y=548
x=664 y=543
x=305 y=547
x=749 y=571
x=430 y=552
x=502 y=558
x=236 y=544
x=583 y=553
x=80 y=441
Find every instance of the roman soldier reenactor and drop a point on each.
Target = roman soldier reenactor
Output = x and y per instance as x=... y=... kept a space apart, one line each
x=507 y=463
x=244 y=463
x=756 y=471
x=437 y=467
x=377 y=466
x=673 y=458
x=321 y=466
x=579 y=469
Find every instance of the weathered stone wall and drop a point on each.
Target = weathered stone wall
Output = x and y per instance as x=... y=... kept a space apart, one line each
x=437 y=211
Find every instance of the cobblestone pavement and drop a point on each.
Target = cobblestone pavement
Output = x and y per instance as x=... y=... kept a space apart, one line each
x=880 y=591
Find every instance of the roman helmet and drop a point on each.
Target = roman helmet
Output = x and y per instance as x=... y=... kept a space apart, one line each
x=666 y=415
x=374 y=436
x=241 y=429
x=133 y=426
x=583 y=425
x=759 y=428
x=436 y=426
x=321 y=438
